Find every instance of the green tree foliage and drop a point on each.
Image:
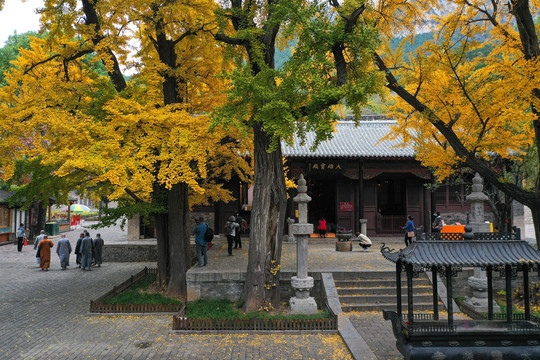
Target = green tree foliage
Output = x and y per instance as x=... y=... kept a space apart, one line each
x=11 y=51
x=330 y=64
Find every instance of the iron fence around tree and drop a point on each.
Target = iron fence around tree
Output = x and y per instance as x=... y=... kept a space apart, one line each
x=99 y=306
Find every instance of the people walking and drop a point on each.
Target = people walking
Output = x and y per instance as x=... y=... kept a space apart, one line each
x=38 y=239
x=87 y=250
x=44 y=249
x=98 y=249
x=78 y=255
x=230 y=231
x=438 y=223
x=237 y=238
x=200 y=243
x=21 y=234
x=409 y=230
x=63 y=249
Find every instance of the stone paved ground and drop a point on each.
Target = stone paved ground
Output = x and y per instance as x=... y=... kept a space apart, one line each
x=43 y=315
x=377 y=333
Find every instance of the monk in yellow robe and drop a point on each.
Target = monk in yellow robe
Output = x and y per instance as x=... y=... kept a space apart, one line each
x=44 y=247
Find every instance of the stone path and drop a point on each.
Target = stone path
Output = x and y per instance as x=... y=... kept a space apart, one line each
x=43 y=315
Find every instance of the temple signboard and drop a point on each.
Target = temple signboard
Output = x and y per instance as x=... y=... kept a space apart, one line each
x=346 y=206
x=326 y=166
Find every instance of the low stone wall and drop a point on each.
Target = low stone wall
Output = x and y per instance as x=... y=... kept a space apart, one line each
x=134 y=252
x=229 y=285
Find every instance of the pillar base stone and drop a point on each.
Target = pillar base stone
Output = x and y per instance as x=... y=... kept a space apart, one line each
x=302 y=306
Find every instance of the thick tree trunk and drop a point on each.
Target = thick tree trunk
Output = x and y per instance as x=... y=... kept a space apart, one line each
x=261 y=289
x=161 y=224
x=178 y=218
x=40 y=218
x=160 y=221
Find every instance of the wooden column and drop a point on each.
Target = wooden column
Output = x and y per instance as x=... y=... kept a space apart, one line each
x=427 y=211
x=508 y=272
x=356 y=214
x=398 y=288
x=489 y=274
x=526 y=294
x=435 y=293
x=361 y=190
x=410 y=302
x=449 y=295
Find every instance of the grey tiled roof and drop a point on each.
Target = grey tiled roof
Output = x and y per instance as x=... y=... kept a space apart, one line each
x=4 y=195
x=351 y=141
x=466 y=253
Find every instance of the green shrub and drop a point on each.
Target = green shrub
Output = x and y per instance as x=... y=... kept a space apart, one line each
x=137 y=294
x=225 y=309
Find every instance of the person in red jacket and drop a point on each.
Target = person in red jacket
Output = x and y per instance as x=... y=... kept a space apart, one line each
x=322 y=227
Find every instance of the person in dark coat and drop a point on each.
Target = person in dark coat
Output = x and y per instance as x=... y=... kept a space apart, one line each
x=230 y=231
x=78 y=249
x=63 y=249
x=21 y=234
x=98 y=249
x=87 y=252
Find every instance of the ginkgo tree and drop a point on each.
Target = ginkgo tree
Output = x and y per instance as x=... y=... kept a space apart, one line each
x=473 y=93
x=331 y=63
x=147 y=138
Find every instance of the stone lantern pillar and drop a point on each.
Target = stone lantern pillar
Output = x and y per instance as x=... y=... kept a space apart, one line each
x=478 y=282
x=302 y=302
x=477 y=199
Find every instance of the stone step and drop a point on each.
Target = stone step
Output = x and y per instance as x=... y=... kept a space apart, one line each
x=380 y=283
x=384 y=299
x=367 y=291
x=348 y=275
x=381 y=307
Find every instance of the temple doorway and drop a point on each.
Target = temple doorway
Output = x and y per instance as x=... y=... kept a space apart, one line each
x=322 y=191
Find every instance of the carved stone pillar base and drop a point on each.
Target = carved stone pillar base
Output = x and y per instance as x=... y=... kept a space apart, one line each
x=302 y=306
x=480 y=305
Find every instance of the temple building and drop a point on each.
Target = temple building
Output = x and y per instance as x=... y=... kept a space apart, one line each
x=355 y=175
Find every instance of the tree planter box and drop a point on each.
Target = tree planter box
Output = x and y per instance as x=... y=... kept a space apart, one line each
x=98 y=306
x=187 y=324
x=344 y=246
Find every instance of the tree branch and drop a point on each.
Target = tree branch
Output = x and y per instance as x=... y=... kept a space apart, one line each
x=477 y=164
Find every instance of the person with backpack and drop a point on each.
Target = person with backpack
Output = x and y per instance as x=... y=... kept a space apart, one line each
x=200 y=242
x=230 y=231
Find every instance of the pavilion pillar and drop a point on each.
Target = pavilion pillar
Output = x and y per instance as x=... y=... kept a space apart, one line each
x=489 y=275
x=449 y=295
x=526 y=294
x=508 y=272
x=410 y=301
x=398 y=288
x=435 y=293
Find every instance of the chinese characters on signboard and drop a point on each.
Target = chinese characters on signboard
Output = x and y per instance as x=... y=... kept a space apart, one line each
x=325 y=165
x=346 y=206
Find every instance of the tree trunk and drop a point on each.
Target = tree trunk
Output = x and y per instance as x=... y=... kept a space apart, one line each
x=161 y=224
x=536 y=221
x=178 y=217
x=40 y=217
x=261 y=288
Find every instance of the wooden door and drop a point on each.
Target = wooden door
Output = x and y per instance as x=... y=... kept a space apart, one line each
x=415 y=200
x=345 y=203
